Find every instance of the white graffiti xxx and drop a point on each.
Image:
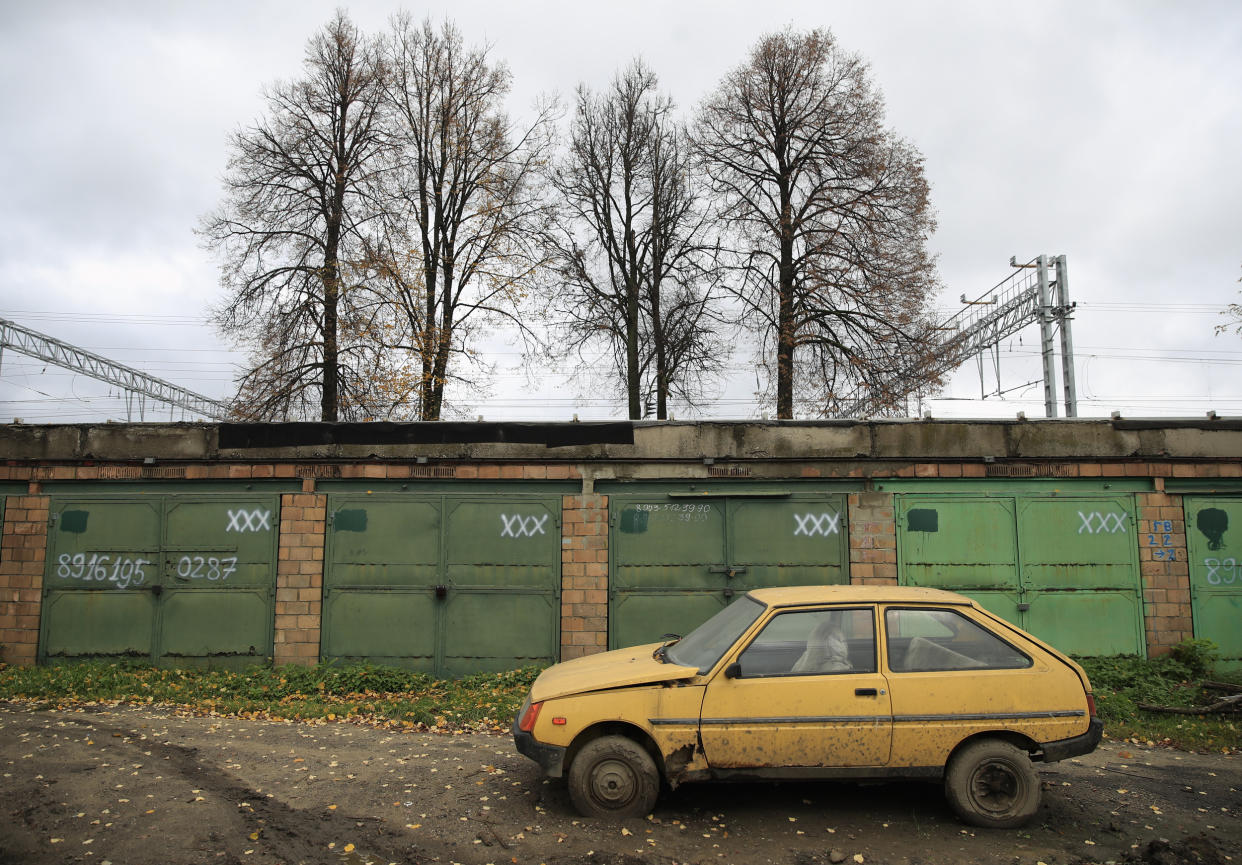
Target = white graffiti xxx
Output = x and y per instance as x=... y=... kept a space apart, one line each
x=243 y=520
x=518 y=526
x=817 y=524
x=1096 y=523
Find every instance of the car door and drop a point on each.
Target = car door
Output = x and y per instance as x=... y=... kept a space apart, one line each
x=952 y=677
x=806 y=691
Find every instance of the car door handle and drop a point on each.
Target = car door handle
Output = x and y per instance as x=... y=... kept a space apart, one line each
x=866 y=692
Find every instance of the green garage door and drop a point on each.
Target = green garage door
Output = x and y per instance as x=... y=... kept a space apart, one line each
x=1214 y=544
x=1064 y=568
x=445 y=583
x=679 y=557
x=172 y=579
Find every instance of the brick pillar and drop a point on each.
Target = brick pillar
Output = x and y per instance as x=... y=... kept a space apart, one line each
x=299 y=578
x=1165 y=570
x=23 y=548
x=584 y=575
x=873 y=539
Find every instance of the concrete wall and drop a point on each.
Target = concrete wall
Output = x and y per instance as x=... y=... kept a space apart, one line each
x=758 y=446
x=35 y=459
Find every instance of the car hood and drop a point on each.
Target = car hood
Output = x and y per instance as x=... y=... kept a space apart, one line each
x=618 y=669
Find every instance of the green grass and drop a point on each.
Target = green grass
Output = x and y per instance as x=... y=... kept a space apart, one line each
x=379 y=695
x=1122 y=683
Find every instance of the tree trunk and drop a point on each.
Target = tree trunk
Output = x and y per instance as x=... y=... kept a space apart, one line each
x=661 y=348
x=331 y=296
x=785 y=322
x=332 y=276
x=443 y=342
x=328 y=406
x=630 y=269
x=631 y=349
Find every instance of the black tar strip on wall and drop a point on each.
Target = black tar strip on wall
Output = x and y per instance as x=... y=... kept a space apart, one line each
x=553 y=435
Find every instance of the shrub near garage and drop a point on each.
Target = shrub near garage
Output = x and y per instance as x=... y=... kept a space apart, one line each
x=380 y=695
x=1124 y=682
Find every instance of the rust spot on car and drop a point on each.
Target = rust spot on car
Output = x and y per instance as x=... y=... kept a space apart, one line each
x=675 y=763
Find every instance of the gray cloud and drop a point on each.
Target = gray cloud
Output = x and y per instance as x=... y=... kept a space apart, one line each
x=1105 y=131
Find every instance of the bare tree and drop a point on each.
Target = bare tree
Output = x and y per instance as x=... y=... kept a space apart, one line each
x=299 y=192
x=464 y=204
x=627 y=244
x=828 y=215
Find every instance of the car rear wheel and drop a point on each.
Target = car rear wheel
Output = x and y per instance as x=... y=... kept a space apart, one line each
x=991 y=783
x=613 y=776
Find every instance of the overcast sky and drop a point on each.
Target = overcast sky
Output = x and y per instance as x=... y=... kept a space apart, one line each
x=1110 y=132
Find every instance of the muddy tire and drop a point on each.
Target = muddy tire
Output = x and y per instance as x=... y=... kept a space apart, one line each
x=991 y=783
x=613 y=777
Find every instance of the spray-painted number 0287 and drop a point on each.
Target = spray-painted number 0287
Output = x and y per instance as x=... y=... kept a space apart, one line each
x=206 y=568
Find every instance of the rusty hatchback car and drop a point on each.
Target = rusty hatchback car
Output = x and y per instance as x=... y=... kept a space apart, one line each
x=817 y=682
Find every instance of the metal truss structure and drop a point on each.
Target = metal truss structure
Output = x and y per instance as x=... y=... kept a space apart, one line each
x=1029 y=295
x=138 y=386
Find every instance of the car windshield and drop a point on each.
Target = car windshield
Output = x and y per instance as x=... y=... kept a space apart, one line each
x=703 y=646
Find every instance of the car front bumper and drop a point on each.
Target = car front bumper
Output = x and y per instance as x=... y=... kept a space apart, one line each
x=551 y=758
x=1075 y=745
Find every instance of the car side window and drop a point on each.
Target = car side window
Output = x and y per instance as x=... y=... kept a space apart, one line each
x=812 y=642
x=927 y=640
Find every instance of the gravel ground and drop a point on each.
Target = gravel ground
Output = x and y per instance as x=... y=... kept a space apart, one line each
x=130 y=786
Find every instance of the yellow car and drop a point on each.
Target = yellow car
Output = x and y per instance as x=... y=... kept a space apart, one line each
x=817 y=682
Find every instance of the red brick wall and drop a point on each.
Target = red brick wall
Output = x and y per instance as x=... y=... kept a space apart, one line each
x=584 y=575
x=299 y=578
x=23 y=548
x=1165 y=570
x=873 y=539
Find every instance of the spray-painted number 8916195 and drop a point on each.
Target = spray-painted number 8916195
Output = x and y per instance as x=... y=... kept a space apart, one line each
x=124 y=571
x=1222 y=571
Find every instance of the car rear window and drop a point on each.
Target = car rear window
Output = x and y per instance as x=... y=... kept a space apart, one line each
x=922 y=640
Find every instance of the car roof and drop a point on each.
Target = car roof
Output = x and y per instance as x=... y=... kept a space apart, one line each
x=790 y=595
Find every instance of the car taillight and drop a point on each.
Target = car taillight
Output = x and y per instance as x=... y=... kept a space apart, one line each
x=529 y=717
x=1091 y=705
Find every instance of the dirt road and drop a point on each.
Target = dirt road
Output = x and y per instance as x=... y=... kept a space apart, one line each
x=127 y=786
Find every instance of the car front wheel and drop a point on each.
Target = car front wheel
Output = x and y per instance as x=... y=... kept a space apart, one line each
x=613 y=776
x=991 y=783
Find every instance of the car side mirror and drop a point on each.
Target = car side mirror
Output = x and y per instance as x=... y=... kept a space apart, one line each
x=733 y=671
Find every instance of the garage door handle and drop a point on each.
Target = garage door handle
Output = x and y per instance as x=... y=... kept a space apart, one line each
x=866 y=692
x=157 y=590
x=441 y=592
